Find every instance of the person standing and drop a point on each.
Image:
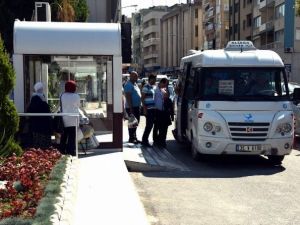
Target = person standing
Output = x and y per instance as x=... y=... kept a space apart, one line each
x=70 y=103
x=40 y=126
x=163 y=118
x=148 y=92
x=89 y=88
x=133 y=102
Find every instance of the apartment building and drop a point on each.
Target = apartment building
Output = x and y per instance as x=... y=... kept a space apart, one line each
x=216 y=23
x=181 y=31
x=241 y=19
x=270 y=24
x=104 y=10
x=151 y=38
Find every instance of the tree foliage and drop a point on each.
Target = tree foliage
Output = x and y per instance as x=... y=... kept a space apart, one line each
x=71 y=10
x=298 y=7
x=9 y=119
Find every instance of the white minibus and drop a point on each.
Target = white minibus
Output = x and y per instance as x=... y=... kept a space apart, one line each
x=231 y=101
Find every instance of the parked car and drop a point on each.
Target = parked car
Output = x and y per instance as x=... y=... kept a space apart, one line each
x=292 y=86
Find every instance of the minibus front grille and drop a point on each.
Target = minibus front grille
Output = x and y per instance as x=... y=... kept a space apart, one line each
x=248 y=131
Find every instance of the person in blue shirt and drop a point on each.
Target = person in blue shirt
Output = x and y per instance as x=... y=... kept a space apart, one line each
x=148 y=93
x=133 y=102
x=163 y=114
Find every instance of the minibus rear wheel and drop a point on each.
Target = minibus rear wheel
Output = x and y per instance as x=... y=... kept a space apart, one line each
x=276 y=159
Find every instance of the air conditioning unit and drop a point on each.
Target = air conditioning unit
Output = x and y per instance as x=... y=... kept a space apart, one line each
x=289 y=50
x=42 y=11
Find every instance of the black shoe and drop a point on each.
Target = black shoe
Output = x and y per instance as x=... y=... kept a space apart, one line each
x=131 y=140
x=146 y=144
x=136 y=141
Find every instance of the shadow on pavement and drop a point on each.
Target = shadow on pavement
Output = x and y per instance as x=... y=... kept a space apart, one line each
x=217 y=166
x=94 y=152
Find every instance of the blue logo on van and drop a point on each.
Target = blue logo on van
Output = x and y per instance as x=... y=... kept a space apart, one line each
x=284 y=106
x=248 y=117
x=208 y=105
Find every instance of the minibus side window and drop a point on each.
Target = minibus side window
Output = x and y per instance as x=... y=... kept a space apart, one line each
x=197 y=84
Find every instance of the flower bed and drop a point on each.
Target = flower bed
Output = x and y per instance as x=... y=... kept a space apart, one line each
x=26 y=178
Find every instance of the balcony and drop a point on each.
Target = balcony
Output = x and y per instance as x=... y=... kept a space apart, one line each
x=209 y=13
x=266 y=27
x=209 y=27
x=262 y=4
x=150 y=55
x=256 y=31
x=150 y=29
x=277 y=45
x=136 y=31
x=266 y=3
x=151 y=41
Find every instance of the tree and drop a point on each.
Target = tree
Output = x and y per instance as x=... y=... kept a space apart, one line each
x=70 y=10
x=9 y=119
x=81 y=10
x=298 y=8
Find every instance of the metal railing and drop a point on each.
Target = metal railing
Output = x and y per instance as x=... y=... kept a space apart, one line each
x=76 y=115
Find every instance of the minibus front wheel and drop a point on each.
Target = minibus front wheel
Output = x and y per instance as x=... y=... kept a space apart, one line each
x=276 y=159
x=195 y=154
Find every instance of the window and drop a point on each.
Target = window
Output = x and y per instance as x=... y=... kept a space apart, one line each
x=279 y=11
x=298 y=34
x=236 y=7
x=249 y=20
x=236 y=27
x=93 y=76
x=279 y=35
x=257 y=22
x=196 y=13
x=196 y=31
x=244 y=24
x=249 y=84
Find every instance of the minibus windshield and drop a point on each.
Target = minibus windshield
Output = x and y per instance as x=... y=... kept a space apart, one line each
x=258 y=84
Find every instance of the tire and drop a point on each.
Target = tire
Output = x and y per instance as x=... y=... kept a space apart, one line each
x=276 y=159
x=195 y=154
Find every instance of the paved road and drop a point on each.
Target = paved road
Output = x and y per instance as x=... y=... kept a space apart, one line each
x=222 y=190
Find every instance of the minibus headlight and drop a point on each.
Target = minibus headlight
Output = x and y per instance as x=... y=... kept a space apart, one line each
x=284 y=127
x=217 y=128
x=208 y=126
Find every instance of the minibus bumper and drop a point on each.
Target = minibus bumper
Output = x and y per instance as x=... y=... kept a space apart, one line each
x=280 y=146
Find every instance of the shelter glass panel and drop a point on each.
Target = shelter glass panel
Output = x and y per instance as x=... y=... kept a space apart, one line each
x=93 y=76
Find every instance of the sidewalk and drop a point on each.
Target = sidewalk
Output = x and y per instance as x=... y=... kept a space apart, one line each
x=106 y=194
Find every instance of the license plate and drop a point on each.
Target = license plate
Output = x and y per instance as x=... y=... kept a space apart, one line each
x=248 y=148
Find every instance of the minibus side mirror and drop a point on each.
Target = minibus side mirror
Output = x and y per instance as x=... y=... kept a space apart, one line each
x=296 y=95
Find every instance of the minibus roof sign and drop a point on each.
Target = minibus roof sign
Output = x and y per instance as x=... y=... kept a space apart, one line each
x=240 y=46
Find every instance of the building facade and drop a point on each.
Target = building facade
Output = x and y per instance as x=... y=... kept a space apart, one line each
x=151 y=30
x=216 y=23
x=104 y=10
x=270 y=24
x=137 y=59
x=181 y=31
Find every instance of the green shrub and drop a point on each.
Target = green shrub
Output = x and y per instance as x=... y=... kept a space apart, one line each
x=9 y=119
